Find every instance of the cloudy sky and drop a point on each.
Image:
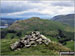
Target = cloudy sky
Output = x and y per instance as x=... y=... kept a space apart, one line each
x=43 y=9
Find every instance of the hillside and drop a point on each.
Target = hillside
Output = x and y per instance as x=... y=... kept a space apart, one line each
x=52 y=49
x=66 y=19
x=37 y=23
x=46 y=27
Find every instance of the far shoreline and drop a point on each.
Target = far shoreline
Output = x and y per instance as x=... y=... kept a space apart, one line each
x=3 y=26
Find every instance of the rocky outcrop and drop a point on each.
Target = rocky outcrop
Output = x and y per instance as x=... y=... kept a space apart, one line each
x=33 y=39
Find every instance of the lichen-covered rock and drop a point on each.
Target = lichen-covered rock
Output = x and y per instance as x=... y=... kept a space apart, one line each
x=32 y=39
x=14 y=45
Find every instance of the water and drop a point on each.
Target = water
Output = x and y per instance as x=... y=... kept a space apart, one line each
x=3 y=26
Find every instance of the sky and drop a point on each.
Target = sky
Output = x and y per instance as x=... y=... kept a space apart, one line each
x=39 y=8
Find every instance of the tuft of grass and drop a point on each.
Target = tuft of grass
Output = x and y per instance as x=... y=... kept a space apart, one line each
x=58 y=47
x=70 y=44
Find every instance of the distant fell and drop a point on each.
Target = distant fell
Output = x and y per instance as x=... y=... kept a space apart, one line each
x=66 y=19
x=37 y=23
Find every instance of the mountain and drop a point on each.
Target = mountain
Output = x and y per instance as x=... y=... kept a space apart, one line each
x=7 y=21
x=45 y=26
x=37 y=23
x=66 y=19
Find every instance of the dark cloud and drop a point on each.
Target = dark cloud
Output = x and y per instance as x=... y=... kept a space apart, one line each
x=10 y=7
x=35 y=1
x=66 y=3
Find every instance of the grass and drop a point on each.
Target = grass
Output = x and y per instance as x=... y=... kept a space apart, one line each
x=52 y=49
x=53 y=38
x=70 y=44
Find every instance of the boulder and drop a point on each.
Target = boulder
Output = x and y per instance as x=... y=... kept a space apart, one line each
x=33 y=43
x=43 y=37
x=14 y=45
x=39 y=40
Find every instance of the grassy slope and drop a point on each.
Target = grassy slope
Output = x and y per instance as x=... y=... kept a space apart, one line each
x=52 y=49
x=33 y=23
x=46 y=27
x=66 y=19
x=70 y=44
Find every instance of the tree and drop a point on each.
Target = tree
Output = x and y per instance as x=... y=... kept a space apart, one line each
x=19 y=34
x=61 y=34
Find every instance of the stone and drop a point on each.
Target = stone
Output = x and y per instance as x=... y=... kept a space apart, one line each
x=39 y=40
x=49 y=40
x=46 y=42
x=18 y=49
x=43 y=37
x=37 y=32
x=25 y=42
x=27 y=45
x=32 y=39
x=33 y=43
x=14 y=46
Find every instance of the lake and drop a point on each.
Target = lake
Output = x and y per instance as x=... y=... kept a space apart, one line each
x=3 y=26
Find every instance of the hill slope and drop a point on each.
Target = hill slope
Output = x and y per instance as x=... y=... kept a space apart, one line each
x=46 y=27
x=37 y=23
x=66 y=19
x=52 y=49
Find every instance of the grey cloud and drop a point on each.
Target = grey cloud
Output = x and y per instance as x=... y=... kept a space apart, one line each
x=9 y=7
x=65 y=3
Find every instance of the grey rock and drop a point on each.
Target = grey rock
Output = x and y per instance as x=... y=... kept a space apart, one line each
x=32 y=39
x=33 y=43
x=14 y=45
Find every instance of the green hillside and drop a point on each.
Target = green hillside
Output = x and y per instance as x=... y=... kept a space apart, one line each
x=46 y=27
x=66 y=19
x=52 y=49
x=39 y=24
x=36 y=23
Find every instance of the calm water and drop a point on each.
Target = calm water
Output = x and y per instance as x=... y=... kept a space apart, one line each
x=3 y=26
